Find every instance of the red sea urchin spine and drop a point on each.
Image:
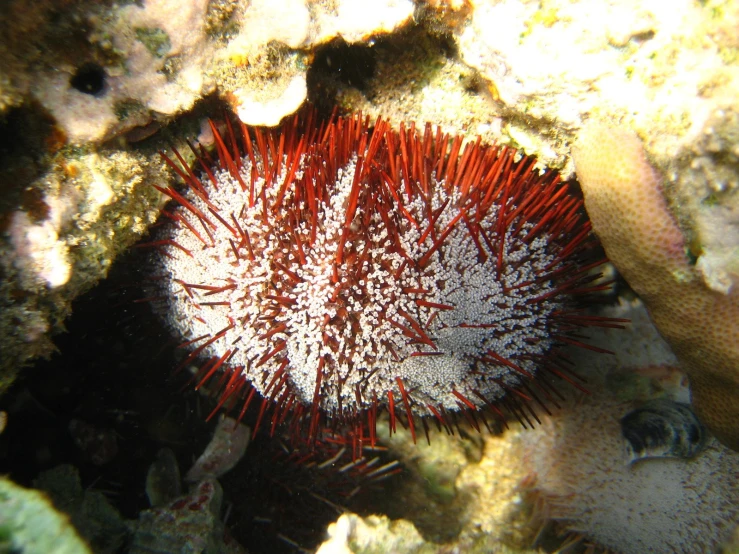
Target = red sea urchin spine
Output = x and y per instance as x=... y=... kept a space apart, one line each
x=339 y=268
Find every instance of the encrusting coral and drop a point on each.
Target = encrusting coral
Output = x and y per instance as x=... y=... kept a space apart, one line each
x=624 y=199
x=660 y=505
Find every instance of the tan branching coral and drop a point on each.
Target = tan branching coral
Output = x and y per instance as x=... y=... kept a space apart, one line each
x=624 y=199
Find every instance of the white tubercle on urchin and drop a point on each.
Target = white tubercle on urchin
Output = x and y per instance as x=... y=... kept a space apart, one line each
x=349 y=283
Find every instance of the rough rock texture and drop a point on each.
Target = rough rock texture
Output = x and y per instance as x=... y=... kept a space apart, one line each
x=351 y=534
x=101 y=70
x=668 y=71
x=94 y=81
x=660 y=505
x=624 y=199
x=354 y=535
x=465 y=491
x=108 y=76
x=70 y=224
x=482 y=493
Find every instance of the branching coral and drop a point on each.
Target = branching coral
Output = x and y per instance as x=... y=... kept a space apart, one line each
x=624 y=199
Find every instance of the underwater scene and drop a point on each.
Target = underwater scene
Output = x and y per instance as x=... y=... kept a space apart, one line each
x=369 y=276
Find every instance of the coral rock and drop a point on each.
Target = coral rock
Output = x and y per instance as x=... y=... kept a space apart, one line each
x=624 y=199
x=353 y=535
x=659 y=505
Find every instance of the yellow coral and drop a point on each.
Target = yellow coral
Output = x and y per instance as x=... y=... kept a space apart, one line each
x=624 y=200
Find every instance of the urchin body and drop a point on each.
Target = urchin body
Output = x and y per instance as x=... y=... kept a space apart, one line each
x=361 y=267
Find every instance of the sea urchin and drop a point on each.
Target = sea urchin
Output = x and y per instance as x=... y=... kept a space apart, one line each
x=342 y=267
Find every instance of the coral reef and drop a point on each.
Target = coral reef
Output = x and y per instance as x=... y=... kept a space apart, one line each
x=570 y=475
x=670 y=72
x=102 y=71
x=138 y=64
x=526 y=478
x=517 y=72
x=91 y=91
x=624 y=199
x=83 y=212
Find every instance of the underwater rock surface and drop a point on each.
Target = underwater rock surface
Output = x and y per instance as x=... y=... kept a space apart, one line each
x=90 y=92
